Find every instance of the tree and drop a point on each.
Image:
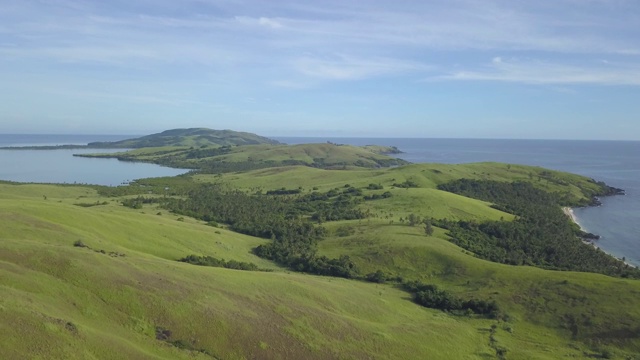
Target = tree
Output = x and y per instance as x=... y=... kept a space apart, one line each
x=377 y=277
x=428 y=228
x=413 y=219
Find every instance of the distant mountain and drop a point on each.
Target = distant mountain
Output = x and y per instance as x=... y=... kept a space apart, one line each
x=195 y=137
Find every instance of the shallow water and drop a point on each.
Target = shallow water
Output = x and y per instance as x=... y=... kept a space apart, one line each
x=60 y=166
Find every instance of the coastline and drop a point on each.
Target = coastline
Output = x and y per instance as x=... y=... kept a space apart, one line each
x=570 y=213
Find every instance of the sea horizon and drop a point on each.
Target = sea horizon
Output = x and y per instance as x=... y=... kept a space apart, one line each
x=275 y=137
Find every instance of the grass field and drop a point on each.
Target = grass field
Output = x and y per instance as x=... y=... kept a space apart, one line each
x=70 y=302
x=110 y=299
x=322 y=155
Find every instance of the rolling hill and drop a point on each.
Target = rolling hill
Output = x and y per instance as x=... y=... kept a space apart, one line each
x=92 y=272
x=195 y=137
x=221 y=159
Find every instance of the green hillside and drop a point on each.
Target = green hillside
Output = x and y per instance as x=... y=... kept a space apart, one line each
x=92 y=272
x=62 y=301
x=242 y=158
x=187 y=137
x=116 y=297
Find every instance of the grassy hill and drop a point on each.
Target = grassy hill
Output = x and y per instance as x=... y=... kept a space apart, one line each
x=62 y=301
x=116 y=298
x=196 y=137
x=82 y=276
x=426 y=176
x=249 y=157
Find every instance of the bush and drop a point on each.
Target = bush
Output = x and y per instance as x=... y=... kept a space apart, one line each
x=377 y=277
x=211 y=261
x=79 y=243
x=284 y=191
x=407 y=184
x=344 y=230
x=430 y=296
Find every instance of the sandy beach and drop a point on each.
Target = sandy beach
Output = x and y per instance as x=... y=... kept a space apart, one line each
x=569 y=212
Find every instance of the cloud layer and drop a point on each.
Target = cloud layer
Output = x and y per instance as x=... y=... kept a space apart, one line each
x=288 y=56
x=328 y=40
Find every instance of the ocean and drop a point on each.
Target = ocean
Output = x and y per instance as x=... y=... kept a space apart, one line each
x=617 y=163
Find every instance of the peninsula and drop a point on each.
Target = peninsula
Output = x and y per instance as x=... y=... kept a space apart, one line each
x=313 y=251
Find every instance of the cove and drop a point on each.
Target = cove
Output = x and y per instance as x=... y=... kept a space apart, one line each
x=60 y=166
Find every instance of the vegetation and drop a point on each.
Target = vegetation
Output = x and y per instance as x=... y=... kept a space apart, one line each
x=211 y=261
x=226 y=159
x=196 y=137
x=431 y=296
x=200 y=138
x=281 y=219
x=541 y=235
x=374 y=234
x=383 y=150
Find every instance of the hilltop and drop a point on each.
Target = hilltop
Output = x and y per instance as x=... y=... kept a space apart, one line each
x=193 y=137
x=219 y=151
x=196 y=137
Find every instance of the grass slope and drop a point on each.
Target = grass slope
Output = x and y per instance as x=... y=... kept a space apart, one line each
x=61 y=301
x=321 y=155
x=590 y=308
x=577 y=306
x=250 y=157
x=188 y=137
x=425 y=175
x=67 y=302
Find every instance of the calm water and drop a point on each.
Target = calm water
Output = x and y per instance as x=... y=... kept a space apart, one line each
x=617 y=163
x=60 y=166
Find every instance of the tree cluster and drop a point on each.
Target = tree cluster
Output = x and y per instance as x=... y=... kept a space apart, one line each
x=406 y=184
x=285 y=219
x=384 y=195
x=214 y=262
x=541 y=235
x=431 y=296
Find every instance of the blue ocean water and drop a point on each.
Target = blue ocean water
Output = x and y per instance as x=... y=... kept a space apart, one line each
x=52 y=140
x=617 y=163
x=60 y=166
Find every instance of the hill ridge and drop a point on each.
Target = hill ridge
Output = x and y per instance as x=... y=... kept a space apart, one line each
x=189 y=137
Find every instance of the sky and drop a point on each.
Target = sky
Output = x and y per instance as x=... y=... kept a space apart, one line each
x=548 y=69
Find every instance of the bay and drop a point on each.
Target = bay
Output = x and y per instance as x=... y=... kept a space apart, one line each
x=60 y=166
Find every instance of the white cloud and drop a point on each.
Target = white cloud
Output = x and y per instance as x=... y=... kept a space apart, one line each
x=373 y=39
x=349 y=68
x=269 y=23
x=262 y=21
x=543 y=72
x=461 y=25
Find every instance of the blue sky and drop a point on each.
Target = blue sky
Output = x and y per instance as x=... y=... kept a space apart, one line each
x=562 y=69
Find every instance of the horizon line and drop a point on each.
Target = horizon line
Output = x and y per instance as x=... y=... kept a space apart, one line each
x=343 y=137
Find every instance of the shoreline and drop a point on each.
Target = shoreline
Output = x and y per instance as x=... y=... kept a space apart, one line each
x=570 y=213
